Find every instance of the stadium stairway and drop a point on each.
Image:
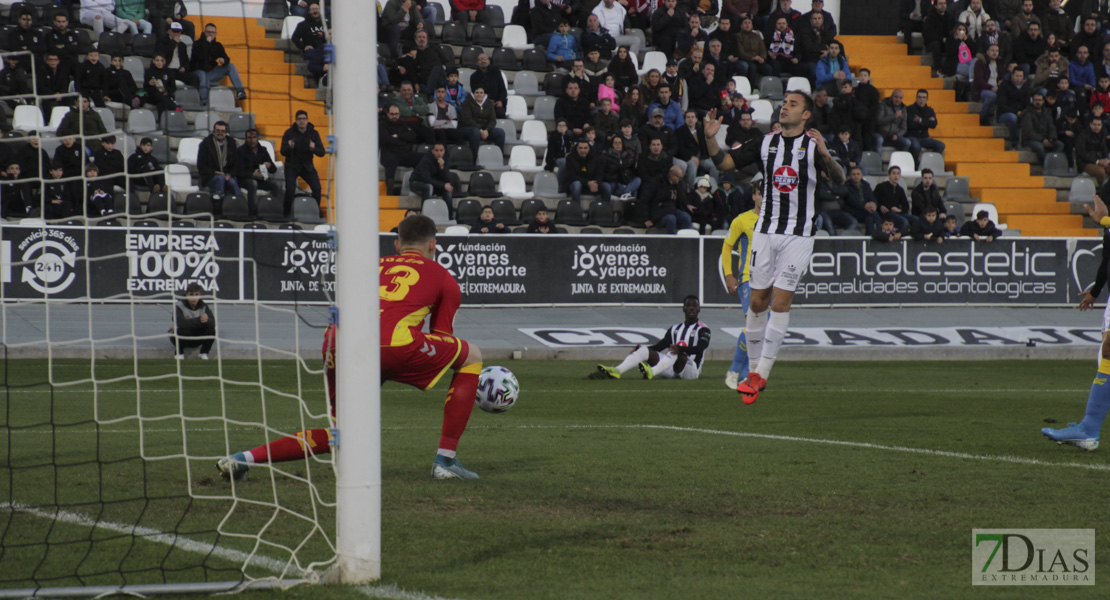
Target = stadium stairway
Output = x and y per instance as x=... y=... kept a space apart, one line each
x=275 y=92
x=995 y=175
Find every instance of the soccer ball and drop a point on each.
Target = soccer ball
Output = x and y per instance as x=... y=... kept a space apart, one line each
x=497 y=390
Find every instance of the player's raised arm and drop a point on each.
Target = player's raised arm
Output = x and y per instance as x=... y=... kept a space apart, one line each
x=836 y=173
x=721 y=158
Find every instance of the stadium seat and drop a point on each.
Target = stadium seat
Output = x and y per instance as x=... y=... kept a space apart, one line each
x=934 y=161
x=955 y=209
x=124 y=203
x=145 y=223
x=436 y=210
x=461 y=159
x=1056 y=165
x=453 y=33
x=492 y=15
x=544 y=109
x=490 y=157
x=29 y=118
x=406 y=190
x=467 y=211
x=271 y=209
x=534 y=60
x=553 y=84
x=484 y=35
x=157 y=203
x=141 y=120
x=457 y=230
x=635 y=213
x=509 y=127
x=958 y=189
x=135 y=66
x=188 y=98
x=179 y=180
x=744 y=87
x=871 y=163
x=107 y=116
x=516 y=108
x=175 y=123
x=307 y=210
x=534 y=133
x=222 y=99
x=770 y=88
x=57 y=115
x=763 y=112
x=820 y=233
x=653 y=60
x=904 y=161
x=624 y=231
x=799 y=83
x=1082 y=189
x=694 y=233
x=504 y=59
x=112 y=44
x=601 y=213
x=590 y=229
x=504 y=211
x=569 y=212
x=514 y=37
x=187 y=151
x=469 y=58
x=523 y=160
x=447 y=55
x=464 y=79
x=143 y=45
x=992 y=213
x=238 y=124
x=235 y=208
x=270 y=148
x=275 y=9
x=529 y=208
x=289 y=25
x=482 y=185
x=198 y=203
x=546 y=185
x=160 y=149
x=512 y=185
x=441 y=15
x=526 y=84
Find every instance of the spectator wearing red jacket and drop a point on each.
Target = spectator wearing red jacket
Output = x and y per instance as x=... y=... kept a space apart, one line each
x=466 y=10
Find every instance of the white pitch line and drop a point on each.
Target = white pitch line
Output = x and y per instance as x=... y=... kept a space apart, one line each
x=392 y=592
x=155 y=535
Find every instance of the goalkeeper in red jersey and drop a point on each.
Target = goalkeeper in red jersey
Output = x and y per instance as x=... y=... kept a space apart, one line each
x=412 y=286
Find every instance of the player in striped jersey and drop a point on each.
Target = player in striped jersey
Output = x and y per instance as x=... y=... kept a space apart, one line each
x=740 y=237
x=678 y=355
x=792 y=162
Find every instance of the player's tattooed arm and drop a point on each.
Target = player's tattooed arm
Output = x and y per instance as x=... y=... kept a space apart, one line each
x=836 y=172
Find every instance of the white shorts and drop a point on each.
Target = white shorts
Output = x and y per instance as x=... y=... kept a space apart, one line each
x=690 y=371
x=779 y=260
x=1106 y=317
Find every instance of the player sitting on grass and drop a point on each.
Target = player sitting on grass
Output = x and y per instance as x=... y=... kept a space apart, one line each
x=740 y=237
x=413 y=285
x=1085 y=433
x=679 y=355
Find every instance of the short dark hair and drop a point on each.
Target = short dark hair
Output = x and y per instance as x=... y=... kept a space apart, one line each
x=923 y=91
x=194 y=288
x=663 y=85
x=627 y=122
x=415 y=230
x=693 y=297
x=91 y=167
x=809 y=105
x=865 y=70
x=844 y=129
x=888 y=218
x=299 y=113
x=926 y=170
x=931 y=209
x=982 y=215
x=950 y=218
x=250 y=131
x=891 y=169
x=452 y=71
x=855 y=168
x=146 y=141
x=218 y=123
x=108 y=139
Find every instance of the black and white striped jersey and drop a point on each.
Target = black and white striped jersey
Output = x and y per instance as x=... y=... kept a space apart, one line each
x=791 y=171
x=695 y=337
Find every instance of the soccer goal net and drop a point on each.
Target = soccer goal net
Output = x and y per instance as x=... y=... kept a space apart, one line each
x=119 y=395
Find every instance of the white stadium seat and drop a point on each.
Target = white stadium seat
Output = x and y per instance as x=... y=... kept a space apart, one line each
x=534 y=133
x=514 y=37
x=523 y=159
x=512 y=184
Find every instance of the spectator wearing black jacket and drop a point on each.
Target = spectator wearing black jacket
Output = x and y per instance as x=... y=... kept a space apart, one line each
x=218 y=162
x=311 y=35
x=300 y=143
x=89 y=78
x=177 y=55
x=32 y=158
x=256 y=167
x=936 y=29
x=14 y=82
x=584 y=174
x=1091 y=152
x=892 y=199
x=432 y=177
x=705 y=90
x=651 y=163
x=666 y=23
x=655 y=129
x=489 y=79
x=926 y=196
x=867 y=107
x=545 y=18
x=1029 y=47
x=928 y=228
x=26 y=37
x=982 y=229
x=783 y=10
x=487 y=223
x=668 y=203
x=1013 y=98
x=559 y=143
x=62 y=41
x=164 y=14
x=692 y=149
x=15 y=196
x=992 y=34
x=99 y=197
x=109 y=162
x=53 y=82
x=395 y=139
x=211 y=64
x=58 y=198
x=146 y=168
x=574 y=107
x=845 y=149
x=160 y=84
x=478 y=122
x=596 y=37
x=119 y=84
x=920 y=118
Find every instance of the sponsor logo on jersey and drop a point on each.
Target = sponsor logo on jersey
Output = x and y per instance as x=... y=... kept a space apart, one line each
x=785 y=179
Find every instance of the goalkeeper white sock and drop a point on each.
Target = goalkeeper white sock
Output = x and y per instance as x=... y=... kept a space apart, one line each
x=756 y=323
x=634 y=358
x=777 y=324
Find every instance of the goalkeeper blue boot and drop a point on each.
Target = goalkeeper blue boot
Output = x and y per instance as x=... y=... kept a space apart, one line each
x=1073 y=434
x=449 y=468
x=233 y=467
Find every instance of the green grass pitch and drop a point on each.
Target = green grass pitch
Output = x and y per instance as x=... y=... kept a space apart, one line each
x=847 y=480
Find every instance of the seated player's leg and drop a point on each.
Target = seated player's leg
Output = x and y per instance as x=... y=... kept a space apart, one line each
x=456 y=413
x=638 y=355
x=1085 y=434
x=739 y=368
x=662 y=366
x=686 y=369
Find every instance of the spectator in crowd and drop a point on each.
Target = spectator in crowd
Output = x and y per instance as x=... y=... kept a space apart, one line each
x=466 y=11
x=951 y=229
x=888 y=232
x=866 y=99
x=717 y=58
x=1020 y=22
x=607 y=90
x=1089 y=36
x=559 y=143
x=574 y=107
x=1029 y=47
x=445 y=117
x=194 y=324
x=633 y=107
x=1081 y=76
x=489 y=78
x=752 y=52
x=432 y=177
x=99 y=199
x=545 y=19
x=614 y=18
x=399 y=19
x=672 y=112
x=653 y=162
x=52 y=84
x=812 y=44
x=786 y=11
x=936 y=28
x=1101 y=93
x=587 y=87
x=84 y=122
x=14 y=82
x=177 y=55
x=649 y=86
x=26 y=37
x=859 y=200
x=1068 y=128
x=705 y=90
x=1050 y=68
x=62 y=41
x=562 y=47
x=256 y=171
x=58 y=198
x=160 y=84
x=845 y=112
x=413 y=109
x=1103 y=67
x=119 y=85
x=131 y=13
x=920 y=118
x=100 y=14
x=32 y=158
x=15 y=197
x=1013 y=98
x=782 y=50
x=218 y=162
x=89 y=78
x=692 y=149
x=974 y=18
x=487 y=223
x=691 y=35
x=911 y=14
x=631 y=140
x=584 y=174
x=1056 y=21
x=1038 y=129
x=395 y=140
x=710 y=211
x=598 y=39
x=597 y=66
x=926 y=195
x=655 y=128
x=1091 y=155
x=311 y=35
x=478 y=122
x=832 y=69
x=109 y=162
x=982 y=229
x=818 y=6
x=668 y=204
x=891 y=198
x=727 y=27
x=623 y=71
x=893 y=124
x=988 y=76
x=422 y=65
x=958 y=54
x=832 y=207
x=164 y=14
x=928 y=228
x=667 y=23
x=620 y=169
x=542 y=223
x=211 y=64
x=688 y=67
x=819 y=118
x=605 y=121
x=454 y=92
x=999 y=37
x=145 y=168
x=845 y=149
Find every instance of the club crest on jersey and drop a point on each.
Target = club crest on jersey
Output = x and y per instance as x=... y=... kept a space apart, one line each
x=800 y=153
x=785 y=179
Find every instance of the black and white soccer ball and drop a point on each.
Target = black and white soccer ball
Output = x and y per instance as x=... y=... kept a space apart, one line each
x=497 y=390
